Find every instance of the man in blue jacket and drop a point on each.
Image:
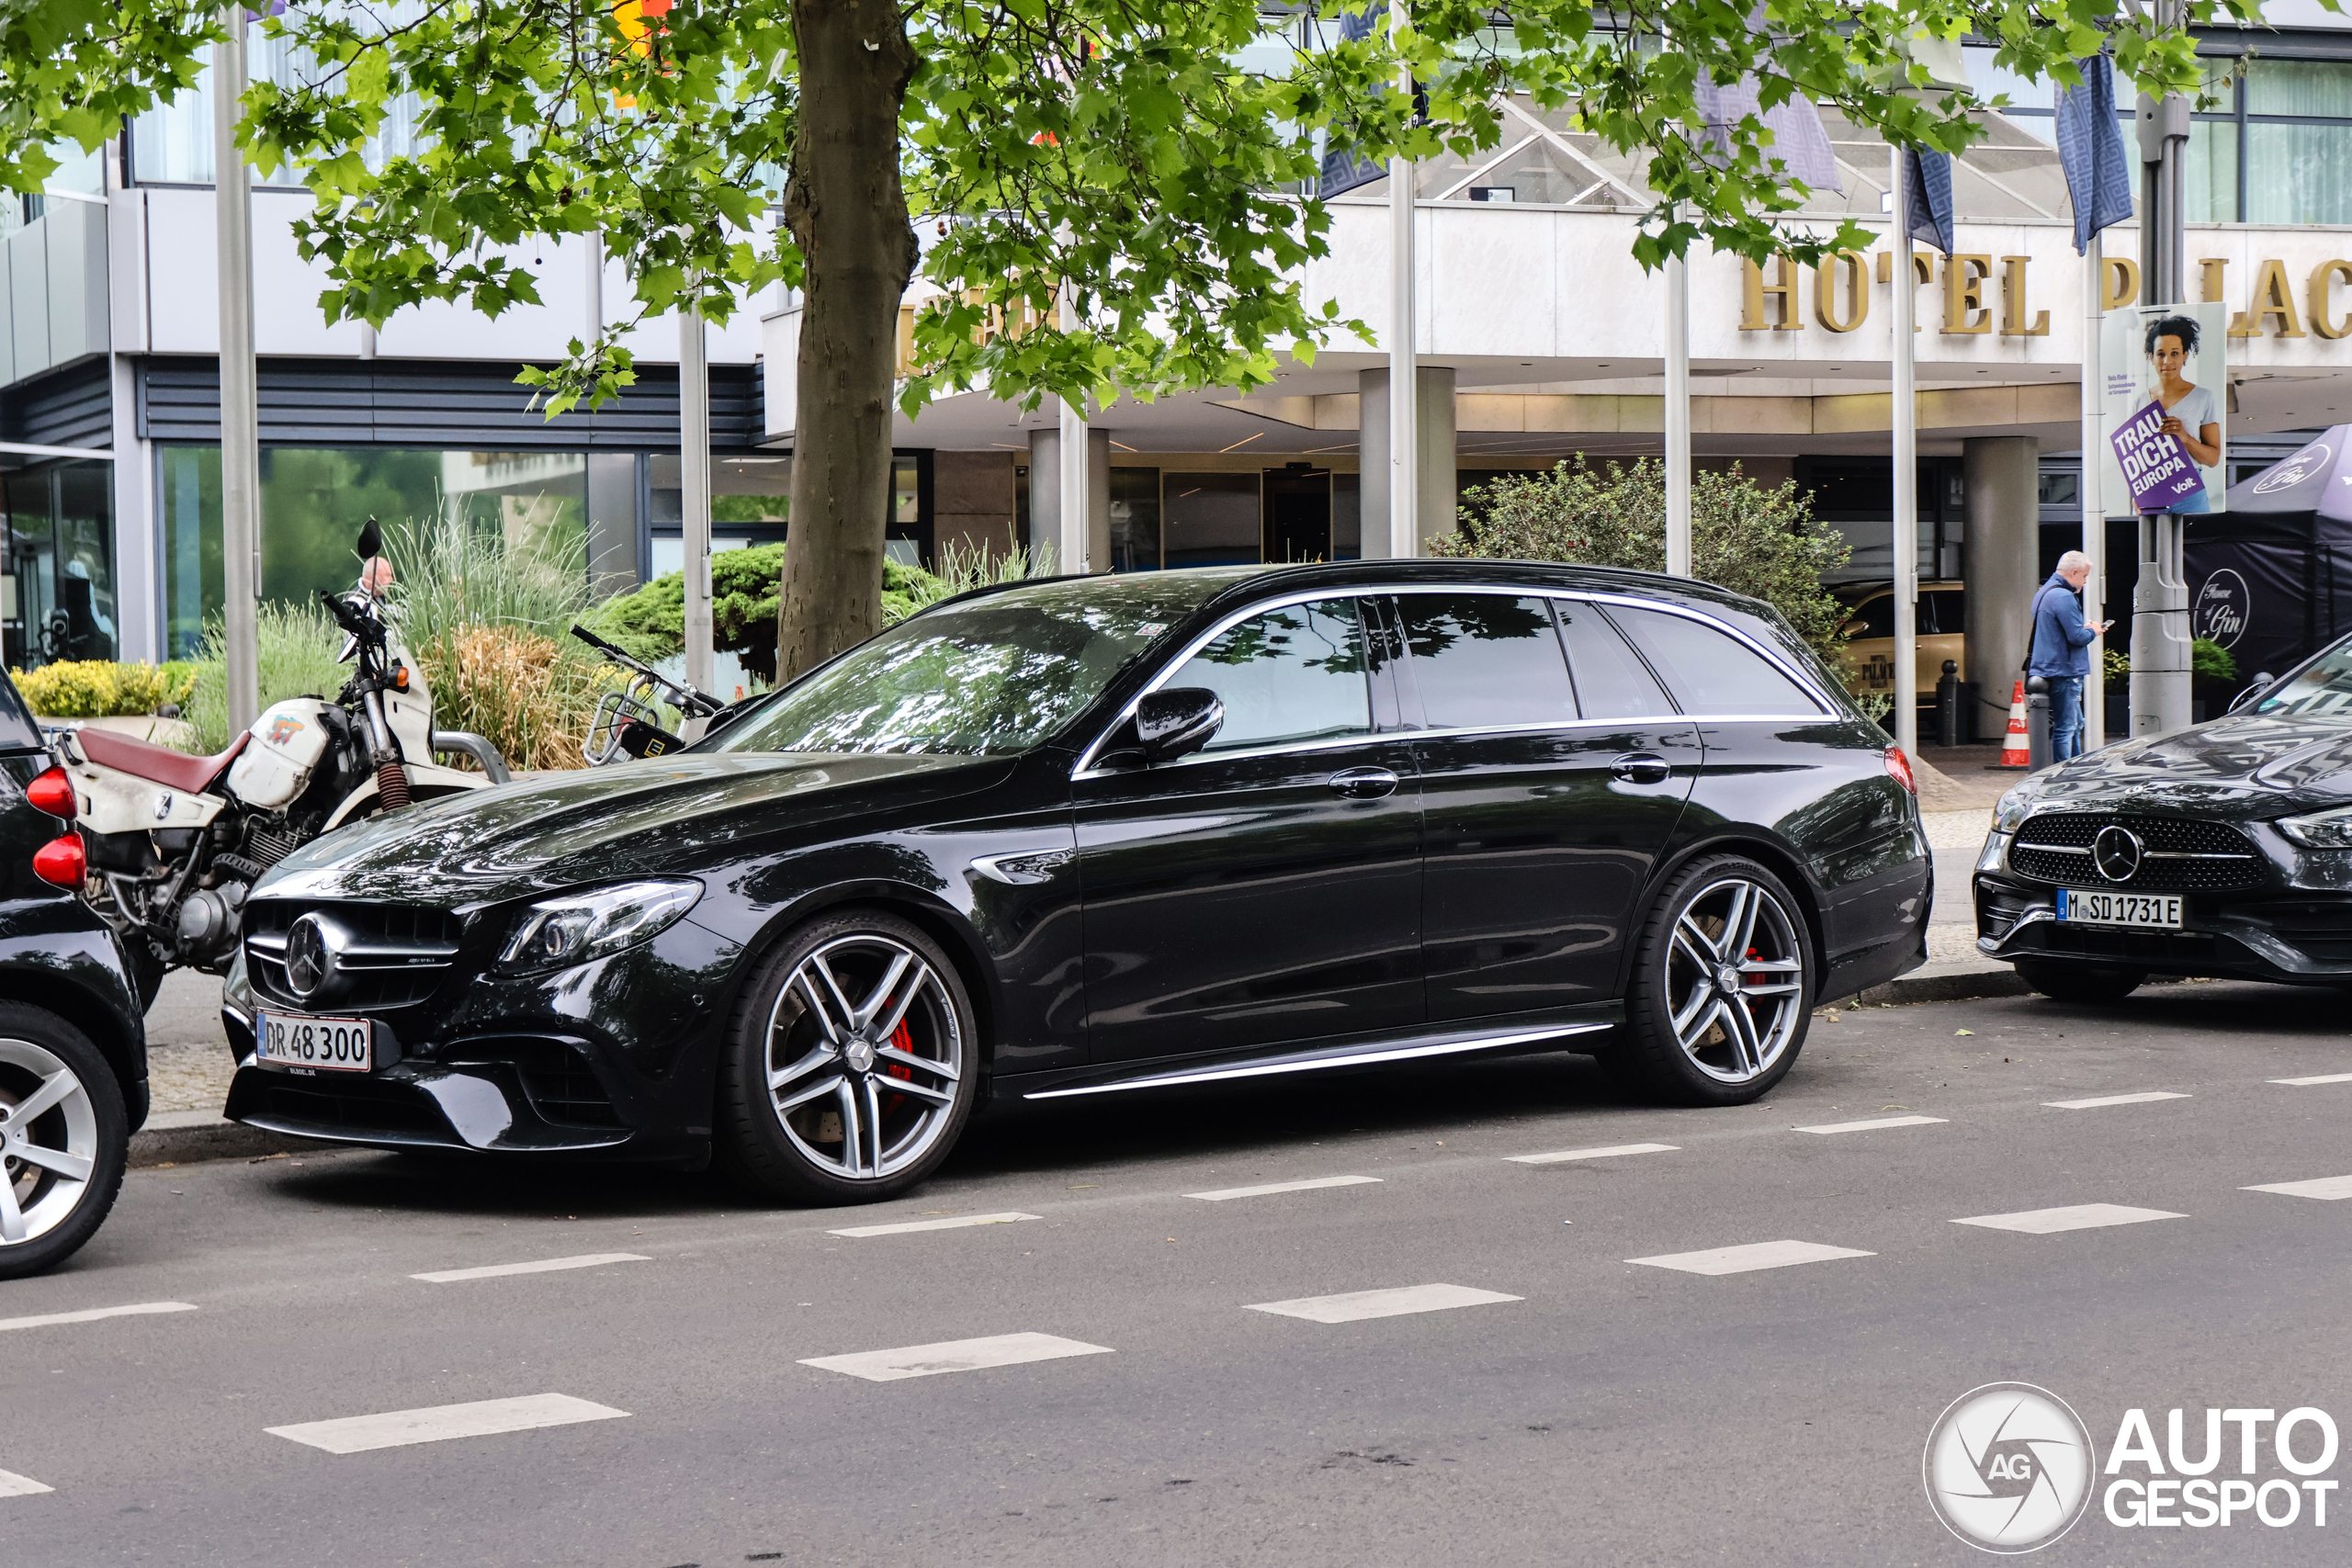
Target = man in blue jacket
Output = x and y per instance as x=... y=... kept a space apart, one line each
x=2060 y=652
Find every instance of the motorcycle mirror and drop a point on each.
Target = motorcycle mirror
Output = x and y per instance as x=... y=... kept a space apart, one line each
x=371 y=542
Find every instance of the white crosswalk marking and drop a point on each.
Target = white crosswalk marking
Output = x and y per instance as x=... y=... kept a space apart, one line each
x=955 y=1356
x=2111 y=1099
x=1224 y=1193
x=20 y=1485
x=2076 y=1217
x=1610 y=1153
x=543 y=1266
x=482 y=1419
x=1357 y=1305
x=2323 y=1078
x=958 y=1221
x=1828 y=1127
x=2330 y=1187
x=92 y=1314
x=1755 y=1256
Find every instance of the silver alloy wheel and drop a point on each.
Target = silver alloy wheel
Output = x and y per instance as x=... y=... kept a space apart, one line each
x=1734 y=979
x=48 y=1141
x=864 y=1087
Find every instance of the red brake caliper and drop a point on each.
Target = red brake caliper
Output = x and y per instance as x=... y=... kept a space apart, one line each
x=900 y=1040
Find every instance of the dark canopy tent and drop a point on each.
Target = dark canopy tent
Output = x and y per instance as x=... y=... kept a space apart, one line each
x=2270 y=578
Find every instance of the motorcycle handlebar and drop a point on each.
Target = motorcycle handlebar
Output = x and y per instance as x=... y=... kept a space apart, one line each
x=694 y=702
x=350 y=617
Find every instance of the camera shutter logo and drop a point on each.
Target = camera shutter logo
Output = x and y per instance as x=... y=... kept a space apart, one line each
x=2008 y=1468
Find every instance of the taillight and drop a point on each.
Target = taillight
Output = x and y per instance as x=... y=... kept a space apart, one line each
x=52 y=793
x=1898 y=768
x=62 y=862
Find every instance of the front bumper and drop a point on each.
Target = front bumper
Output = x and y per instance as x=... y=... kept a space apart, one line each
x=2294 y=928
x=614 y=1058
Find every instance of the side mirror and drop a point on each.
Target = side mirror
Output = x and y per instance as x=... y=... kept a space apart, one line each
x=1172 y=724
x=2261 y=685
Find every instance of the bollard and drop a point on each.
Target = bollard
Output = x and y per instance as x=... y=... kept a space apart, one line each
x=2036 y=723
x=1948 y=706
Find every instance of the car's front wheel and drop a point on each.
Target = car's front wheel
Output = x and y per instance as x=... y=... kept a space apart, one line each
x=2093 y=983
x=851 y=1064
x=1723 y=982
x=65 y=1138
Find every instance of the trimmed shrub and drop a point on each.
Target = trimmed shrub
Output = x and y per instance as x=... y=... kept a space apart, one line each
x=98 y=688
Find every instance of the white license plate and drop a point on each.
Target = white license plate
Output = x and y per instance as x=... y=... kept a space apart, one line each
x=323 y=1045
x=2156 y=911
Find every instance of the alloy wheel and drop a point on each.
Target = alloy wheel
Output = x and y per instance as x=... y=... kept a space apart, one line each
x=864 y=1056
x=48 y=1141
x=1734 y=979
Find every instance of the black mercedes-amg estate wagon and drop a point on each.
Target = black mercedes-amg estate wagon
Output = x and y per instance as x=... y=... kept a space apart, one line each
x=1096 y=836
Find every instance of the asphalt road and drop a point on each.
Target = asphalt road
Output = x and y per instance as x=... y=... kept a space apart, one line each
x=1611 y=1412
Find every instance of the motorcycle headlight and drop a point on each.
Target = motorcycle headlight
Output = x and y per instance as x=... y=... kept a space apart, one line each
x=2321 y=829
x=2014 y=809
x=559 y=932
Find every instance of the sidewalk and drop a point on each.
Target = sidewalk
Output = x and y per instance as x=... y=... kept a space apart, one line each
x=189 y=1068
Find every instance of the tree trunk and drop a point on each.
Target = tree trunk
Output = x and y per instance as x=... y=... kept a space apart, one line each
x=847 y=210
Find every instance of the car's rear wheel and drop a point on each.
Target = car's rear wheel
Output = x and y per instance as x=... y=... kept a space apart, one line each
x=2088 y=983
x=65 y=1138
x=851 y=1064
x=1722 y=987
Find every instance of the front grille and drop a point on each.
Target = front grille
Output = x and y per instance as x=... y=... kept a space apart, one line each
x=397 y=954
x=2181 y=854
x=556 y=1079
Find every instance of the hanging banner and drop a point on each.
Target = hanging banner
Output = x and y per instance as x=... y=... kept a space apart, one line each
x=2166 y=408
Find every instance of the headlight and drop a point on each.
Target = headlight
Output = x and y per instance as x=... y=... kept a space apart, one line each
x=2321 y=829
x=563 y=931
x=2014 y=807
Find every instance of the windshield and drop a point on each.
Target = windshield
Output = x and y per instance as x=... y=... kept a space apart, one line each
x=2324 y=690
x=996 y=675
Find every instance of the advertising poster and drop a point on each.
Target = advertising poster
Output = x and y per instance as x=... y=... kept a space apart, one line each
x=2166 y=408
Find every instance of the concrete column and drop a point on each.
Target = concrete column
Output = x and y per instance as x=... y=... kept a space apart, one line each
x=1045 y=499
x=2001 y=559
x=1433 y=467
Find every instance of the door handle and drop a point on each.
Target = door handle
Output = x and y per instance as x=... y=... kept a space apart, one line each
x=1363 y=783
x=1641 y=767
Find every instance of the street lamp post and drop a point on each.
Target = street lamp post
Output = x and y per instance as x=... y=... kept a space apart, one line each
x=240 y=397
x=2160 y=657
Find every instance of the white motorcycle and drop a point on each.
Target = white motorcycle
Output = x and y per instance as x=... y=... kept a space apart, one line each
x=174 y=842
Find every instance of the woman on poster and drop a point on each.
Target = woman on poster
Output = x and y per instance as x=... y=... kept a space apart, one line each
x=2190 y=415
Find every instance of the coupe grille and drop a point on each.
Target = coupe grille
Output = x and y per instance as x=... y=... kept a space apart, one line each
x=2180 y=854
x=397 y=954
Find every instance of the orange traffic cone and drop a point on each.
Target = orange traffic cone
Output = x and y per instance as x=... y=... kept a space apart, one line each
x=2017 y=749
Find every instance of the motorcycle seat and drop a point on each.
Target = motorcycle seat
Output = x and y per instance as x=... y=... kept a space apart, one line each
x=158 y=764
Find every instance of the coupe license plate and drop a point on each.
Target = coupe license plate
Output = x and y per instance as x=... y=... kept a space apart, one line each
x=2155 y=912
x=322 y=1045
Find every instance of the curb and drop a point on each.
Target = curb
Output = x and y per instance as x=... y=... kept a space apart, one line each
x=182 y=1138
x=1936 y=984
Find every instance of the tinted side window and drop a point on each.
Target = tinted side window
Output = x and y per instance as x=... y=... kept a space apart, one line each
x=17 y=730
x=1295 y=673
x=1709 y=672
x=1874 y=617
x=1610 y=682
x=1484 y=660
x=1944 y=612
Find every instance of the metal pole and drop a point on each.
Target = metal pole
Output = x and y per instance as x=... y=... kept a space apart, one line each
x=596 y=281
x=694 y=491
x=1071 y=467
x=2160 y=654
x=240 y=397
x=1677 y=417
x=2091 y=489
x=1906 y=482
x=1404 y=378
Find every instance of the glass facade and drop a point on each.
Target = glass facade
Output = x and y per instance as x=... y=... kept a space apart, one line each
x=2270 y=141
x=315 y=500
x=172 y=143
x=57 y=596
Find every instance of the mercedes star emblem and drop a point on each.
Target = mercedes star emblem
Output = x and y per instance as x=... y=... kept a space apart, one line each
x=2116 y=852
x=308 y=960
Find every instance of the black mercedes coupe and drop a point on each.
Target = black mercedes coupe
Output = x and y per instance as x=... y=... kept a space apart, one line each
x=2224 y=848
x=1097 y=836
